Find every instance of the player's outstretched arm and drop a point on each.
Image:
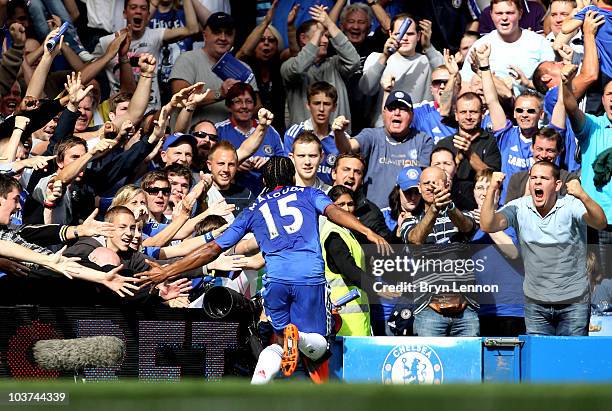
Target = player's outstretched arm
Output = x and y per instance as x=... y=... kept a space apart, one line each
x=345 y=219
x=198 y=258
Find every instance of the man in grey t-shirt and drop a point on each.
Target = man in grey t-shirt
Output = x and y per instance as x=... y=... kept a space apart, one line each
x=387 y=149
x=196 y=66
x=552 y=235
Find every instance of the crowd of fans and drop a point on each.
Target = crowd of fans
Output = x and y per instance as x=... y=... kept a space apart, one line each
x=486 y=130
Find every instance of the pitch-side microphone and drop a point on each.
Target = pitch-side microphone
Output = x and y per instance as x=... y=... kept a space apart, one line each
x=79 y=353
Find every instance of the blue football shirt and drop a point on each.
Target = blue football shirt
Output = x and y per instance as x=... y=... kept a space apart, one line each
x=286 y=226
x=330 y=151
x=603 y=39
x=427 y=119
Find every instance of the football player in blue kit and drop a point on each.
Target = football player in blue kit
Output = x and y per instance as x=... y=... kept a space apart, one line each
x=284 y=220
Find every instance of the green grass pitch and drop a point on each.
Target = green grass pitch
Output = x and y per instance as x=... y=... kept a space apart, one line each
x=285 y=396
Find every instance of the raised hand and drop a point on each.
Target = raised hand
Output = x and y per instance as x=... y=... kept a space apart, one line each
x=270 y=13
x=118 y=283
x=228 y=262
x=497 y=179
x=568 y=72
x=592 y=22
x=74 y=88
x=292 y=14
x=18 y=34
x=21 y=122
x=147 y=63
x=450 y=62
x=462 y=143
x=54 y=191
x=265 y=117
x=58 y=47
x=155 y=275
x=442 y=195
x=518 y=75
x=54 y=22
x=390 y=44
x=109 y=131
x=574 y=188
x=382 y=246
x=103 y=147
x=36 y=162
x=124 y=46
x=67 y=266
x=426 y=31
x=14 y=267
x=341 y=124
x=220 y=208
x=566 y=53
x=175 y=289
x=388 y=82
x=127 y=127
x=319 y=14
x=117 y=42
x=28 y=104
x=92 y=227
x=483 y=53
x=227 y=84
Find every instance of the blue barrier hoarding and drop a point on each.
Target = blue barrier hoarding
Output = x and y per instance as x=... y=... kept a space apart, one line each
x=408 y=360
x=566 y=359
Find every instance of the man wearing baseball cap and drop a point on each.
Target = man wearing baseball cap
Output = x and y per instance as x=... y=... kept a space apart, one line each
x=387 y=149
x=196 y=66
x=178 y=148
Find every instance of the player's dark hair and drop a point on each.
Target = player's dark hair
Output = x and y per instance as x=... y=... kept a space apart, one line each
x=278 y=171
x=306 y=137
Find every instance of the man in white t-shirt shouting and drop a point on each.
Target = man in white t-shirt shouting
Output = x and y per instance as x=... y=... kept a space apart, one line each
x=143 y=40
x=511 y=45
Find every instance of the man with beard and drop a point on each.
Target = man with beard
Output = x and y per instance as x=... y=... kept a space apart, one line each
x=474 y=149
x=550 y=228
x=144 y=40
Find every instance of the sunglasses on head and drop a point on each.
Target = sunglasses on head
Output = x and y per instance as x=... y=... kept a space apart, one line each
x=156 y=190
x=521 y=110
x=203 y=134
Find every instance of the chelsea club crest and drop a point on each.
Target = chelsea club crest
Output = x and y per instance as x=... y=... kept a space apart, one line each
x=412 y=364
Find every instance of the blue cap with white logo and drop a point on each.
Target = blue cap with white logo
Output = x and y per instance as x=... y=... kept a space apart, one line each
x=408 y=178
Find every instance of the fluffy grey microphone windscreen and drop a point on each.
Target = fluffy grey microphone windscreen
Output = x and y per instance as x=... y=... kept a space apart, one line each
x=79 y=353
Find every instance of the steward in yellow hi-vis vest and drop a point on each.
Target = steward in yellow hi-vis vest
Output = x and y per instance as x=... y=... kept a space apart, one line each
x=356 y=314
